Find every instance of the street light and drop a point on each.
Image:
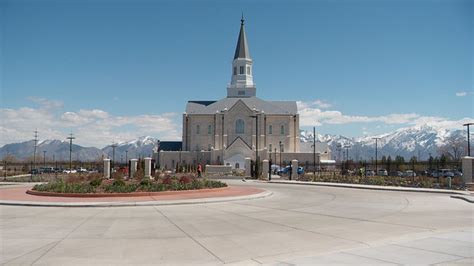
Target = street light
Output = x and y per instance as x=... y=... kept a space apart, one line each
x=281 y=147
x=376 y=142
x=314 y=151
x=468 y=138
x=256 y=143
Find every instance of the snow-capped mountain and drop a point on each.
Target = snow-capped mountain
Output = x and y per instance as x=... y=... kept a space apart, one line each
x=141 y=147
x=57 y=148
x=419 y=141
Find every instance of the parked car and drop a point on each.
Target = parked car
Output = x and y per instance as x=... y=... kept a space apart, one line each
x=446 y=173
x=369 y=172
x=36 y=171
x=48 y=169
x=69 y=171
x=286 y=170
x=81 y=170
x=457 y=173
x=382 y=172
x=275 y=168
x=396 y=173
x=409 y=173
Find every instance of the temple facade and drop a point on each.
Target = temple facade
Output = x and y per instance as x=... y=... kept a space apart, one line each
x=239 y=126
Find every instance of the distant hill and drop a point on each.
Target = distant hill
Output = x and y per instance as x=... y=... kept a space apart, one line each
x=417 y=141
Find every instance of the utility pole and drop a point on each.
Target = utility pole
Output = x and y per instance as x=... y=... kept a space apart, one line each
x=44 y=159
x=126 y=157
x=376 y=142
x=468 y=138
x=314 y=151
x=114 y=145
x=34 y=152
x=70 y=138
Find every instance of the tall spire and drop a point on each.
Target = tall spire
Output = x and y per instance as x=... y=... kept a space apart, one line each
x=241 y=83
x=242 y=49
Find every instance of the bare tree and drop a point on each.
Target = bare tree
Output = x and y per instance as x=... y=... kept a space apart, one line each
x=454 y=147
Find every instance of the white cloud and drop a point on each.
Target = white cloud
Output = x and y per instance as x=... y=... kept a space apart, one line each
x=311 y=115
x=91 y=127
x=461 y=94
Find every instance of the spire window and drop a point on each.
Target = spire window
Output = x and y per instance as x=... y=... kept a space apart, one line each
x=235 y=71
x=242 y=70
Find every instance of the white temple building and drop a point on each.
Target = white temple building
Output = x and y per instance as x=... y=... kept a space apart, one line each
x=240 y=125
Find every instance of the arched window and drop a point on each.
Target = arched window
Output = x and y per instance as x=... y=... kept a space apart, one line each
x=209 y=129
x=198 y=130
x=239 y=126
x=270 y=129
x=282 y=130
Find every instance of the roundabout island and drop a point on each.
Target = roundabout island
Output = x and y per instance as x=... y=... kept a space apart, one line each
x=94 y=191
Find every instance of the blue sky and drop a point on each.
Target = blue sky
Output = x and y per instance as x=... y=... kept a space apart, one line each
x=357 y=67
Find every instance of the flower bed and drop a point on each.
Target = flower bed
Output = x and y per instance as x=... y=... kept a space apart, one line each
x=94 y=184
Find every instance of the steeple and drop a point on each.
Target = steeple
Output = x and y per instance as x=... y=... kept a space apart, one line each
x=242 y=49
x=241 y=84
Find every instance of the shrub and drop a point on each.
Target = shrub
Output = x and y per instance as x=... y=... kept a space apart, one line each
x=185 y=179
x=139 y=174
x=96 y=182
x=118 y=182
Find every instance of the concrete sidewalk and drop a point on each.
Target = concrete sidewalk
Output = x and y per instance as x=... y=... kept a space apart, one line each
x=453 y=248
x=373 y=187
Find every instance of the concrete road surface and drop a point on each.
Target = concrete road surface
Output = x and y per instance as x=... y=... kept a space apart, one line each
x=296 y=225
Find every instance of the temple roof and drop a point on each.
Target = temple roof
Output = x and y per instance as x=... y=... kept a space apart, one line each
x=269 y=107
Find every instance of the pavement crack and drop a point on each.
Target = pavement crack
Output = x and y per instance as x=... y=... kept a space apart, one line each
x=342 y=217
x=188 y=235
x=292 y=227
x=55 y=243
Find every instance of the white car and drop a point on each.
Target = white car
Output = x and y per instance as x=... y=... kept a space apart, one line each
x=68 y=171
x=382 y=172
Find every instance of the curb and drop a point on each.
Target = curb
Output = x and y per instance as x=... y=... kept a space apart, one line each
x=386 y=188
x=260 y=195
x=122 y=195
x=462 y=197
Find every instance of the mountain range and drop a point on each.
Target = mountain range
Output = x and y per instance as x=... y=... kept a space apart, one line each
x=420 y=141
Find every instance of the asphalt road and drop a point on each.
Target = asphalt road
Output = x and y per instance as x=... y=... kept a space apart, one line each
x=296 y=225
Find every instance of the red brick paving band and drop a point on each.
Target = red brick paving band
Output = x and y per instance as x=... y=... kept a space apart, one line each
x=20 y=194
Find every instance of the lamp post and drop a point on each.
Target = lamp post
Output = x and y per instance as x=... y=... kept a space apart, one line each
x=468 y=138
x=376 y=142
x=256 y=144
x=280 y=152
x=314 y=151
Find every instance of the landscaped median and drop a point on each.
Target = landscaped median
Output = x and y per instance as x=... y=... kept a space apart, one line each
x=94 y=191
x=372 y=187
x=94 y=186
